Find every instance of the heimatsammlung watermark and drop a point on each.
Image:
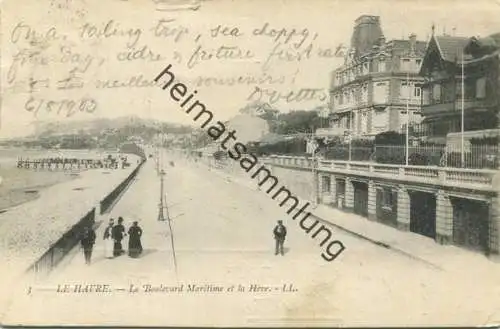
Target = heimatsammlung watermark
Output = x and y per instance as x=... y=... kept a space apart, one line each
x=248 y=161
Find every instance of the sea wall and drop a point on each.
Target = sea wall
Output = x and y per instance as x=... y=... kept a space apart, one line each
x=56 y=252
x=31 y=229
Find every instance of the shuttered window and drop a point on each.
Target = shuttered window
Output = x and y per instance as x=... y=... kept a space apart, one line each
x=481 y=88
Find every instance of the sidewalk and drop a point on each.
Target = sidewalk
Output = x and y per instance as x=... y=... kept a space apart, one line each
x=445 y=257
x=139 y=203
x=418 y=247
x=29 y=229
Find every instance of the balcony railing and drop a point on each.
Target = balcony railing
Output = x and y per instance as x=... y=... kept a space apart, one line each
x=457 y=106
x=453 y=177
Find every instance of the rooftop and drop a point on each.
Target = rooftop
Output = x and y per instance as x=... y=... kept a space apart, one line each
x=451 y=47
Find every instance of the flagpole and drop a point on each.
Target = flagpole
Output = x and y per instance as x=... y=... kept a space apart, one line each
x=462 y=121
x=407 y=115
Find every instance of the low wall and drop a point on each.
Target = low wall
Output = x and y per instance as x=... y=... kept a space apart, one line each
x=108 y=201
x=53 y=256
x=299 y=182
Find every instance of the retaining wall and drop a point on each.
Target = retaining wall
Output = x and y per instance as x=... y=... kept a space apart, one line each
x=299 y=182
x=53 y=256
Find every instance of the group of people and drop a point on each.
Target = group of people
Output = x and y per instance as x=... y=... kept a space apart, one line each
x=113 y=237
x=114 y=234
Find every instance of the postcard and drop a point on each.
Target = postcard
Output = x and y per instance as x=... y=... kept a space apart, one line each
x=249 y=163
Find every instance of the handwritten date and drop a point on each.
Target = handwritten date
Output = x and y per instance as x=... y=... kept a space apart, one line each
x=67 y=107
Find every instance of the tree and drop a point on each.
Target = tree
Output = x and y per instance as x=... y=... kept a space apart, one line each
x=298 y=121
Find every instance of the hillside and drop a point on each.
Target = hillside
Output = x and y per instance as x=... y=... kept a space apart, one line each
x=99 y=133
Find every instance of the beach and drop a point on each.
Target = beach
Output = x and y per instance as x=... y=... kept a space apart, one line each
x=29 y=229
x=20 y=185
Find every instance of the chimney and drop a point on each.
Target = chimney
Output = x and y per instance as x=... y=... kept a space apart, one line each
x=413 y=43
x=381 y=41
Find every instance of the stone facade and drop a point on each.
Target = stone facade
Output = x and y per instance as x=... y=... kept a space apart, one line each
x=372 y=201
x=377 y=81
x=403 y=219
x=349 y=194
x=450 y=208
x=444 y=218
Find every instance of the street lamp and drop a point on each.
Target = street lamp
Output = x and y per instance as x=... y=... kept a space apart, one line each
x=313 y=167
x=162 y=205
x=164 y=216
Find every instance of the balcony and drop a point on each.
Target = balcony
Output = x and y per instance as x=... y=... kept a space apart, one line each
x=333 y=131
x=451 y=107
x=474 y=179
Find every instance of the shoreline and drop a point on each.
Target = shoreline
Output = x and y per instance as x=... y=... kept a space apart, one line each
x=21 y=185
x=18 y=196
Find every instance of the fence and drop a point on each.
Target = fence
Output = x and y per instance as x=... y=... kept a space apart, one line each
x=52 y=257
x=112 y=197
x=342 y=153
x=475 y=156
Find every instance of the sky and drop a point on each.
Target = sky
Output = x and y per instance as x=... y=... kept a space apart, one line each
x=65 y=36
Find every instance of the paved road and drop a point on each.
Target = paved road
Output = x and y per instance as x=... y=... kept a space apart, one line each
x=222 y=236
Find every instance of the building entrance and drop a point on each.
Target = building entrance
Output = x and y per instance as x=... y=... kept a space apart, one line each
x=423 y=213
x=360 y=198
x=470 y=224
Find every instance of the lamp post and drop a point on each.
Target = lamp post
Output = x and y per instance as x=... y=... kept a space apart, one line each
x=162 y=204
x=163 y=216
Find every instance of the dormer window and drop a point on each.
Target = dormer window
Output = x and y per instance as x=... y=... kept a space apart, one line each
x=366 y=68
x=381 y=64
x=405 y=64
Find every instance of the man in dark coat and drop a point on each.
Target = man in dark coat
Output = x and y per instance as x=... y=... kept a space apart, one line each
x=279 y=235
x=87 y=241
x=118 y=232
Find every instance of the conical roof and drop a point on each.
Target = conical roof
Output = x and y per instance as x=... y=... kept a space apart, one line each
x=367 y=33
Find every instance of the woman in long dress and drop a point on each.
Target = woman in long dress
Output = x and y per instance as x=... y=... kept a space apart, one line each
x=134 y=240
x=108 y=240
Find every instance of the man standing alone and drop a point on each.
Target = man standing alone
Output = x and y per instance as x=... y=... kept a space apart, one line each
x=87 y=241
x=279 y=236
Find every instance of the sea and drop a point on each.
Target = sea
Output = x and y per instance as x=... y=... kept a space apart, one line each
x=11 y=155
x=15 y=182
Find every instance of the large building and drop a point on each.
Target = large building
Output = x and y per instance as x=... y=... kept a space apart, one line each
x=445 y=58
x=379 y=79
